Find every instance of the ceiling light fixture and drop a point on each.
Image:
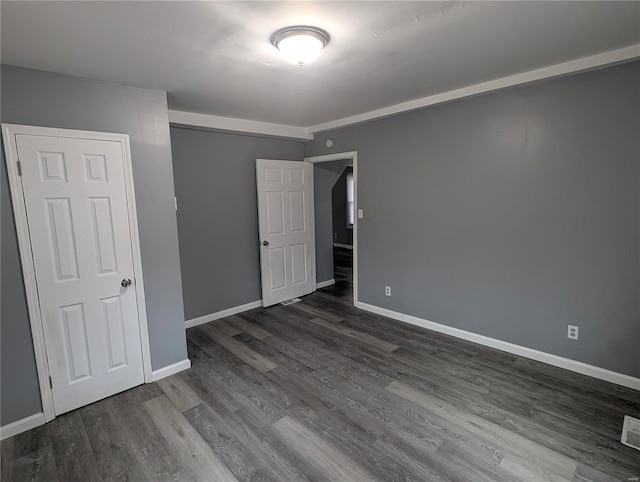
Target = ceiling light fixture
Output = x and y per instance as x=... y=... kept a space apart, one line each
x=300 y=44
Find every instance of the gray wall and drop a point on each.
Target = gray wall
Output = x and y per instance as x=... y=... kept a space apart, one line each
x=325 y=175
x=341 y=233
x=19 y=391
x=510 y=214
x=52 y=100
x=215 y=177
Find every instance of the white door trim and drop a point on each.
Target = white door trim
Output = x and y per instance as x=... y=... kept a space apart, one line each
x=9 y=132
x=339 y=156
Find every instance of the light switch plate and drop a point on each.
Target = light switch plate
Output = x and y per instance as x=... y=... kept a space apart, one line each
x=360 y=213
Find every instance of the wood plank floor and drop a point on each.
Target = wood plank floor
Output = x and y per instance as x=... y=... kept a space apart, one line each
x=321 y=391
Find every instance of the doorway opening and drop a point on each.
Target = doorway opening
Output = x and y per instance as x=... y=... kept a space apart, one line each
x=343 y=214
x=335 y=211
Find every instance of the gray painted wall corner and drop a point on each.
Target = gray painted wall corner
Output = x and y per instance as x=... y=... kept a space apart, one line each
x=215 y=178
x=511 y=214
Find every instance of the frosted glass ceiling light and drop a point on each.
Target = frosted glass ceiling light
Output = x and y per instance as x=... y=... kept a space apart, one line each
x=300 y=44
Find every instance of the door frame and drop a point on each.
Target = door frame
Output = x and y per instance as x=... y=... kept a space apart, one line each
x=339 y=156
x=9 y=132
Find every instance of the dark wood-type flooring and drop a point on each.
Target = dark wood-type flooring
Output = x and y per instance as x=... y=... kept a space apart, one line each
x=343 y=274
x=321 y=391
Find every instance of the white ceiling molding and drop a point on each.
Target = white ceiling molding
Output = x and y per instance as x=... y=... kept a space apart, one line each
x=592 y=62
x=229 y=124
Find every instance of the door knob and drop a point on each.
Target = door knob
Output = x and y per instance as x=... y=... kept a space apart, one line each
x=125 y=283
x=265 y=243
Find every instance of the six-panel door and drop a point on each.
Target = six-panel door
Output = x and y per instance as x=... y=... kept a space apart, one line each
x=76 y=204
x=285 y=212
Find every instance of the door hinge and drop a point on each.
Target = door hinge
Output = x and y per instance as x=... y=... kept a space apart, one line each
x=50 y=383
x=19 y=168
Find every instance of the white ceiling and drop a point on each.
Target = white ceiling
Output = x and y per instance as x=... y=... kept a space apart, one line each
x=215 y=57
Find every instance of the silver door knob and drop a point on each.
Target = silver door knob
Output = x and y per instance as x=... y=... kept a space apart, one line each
x=125 y=283
x=265 y=243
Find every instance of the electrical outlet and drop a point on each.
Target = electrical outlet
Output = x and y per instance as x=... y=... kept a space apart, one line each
x=387 y=290
x=572 y=332
x=335 y=235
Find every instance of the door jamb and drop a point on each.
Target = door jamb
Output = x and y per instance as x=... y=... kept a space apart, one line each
x=9 y=132
x=339 y=156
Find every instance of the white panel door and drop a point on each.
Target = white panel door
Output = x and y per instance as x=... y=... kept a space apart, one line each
x=286 y=223
x=77 y=214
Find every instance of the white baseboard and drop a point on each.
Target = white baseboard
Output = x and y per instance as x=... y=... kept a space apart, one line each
x=340 y=245
x=558 y=361
x=324 y=284
x=22 y=425
x=221 y=314
x=170 y=370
